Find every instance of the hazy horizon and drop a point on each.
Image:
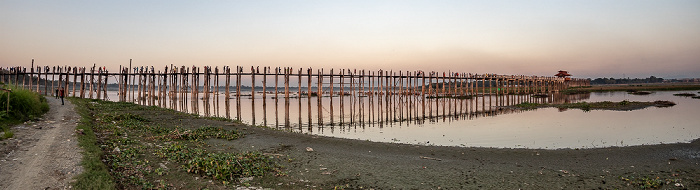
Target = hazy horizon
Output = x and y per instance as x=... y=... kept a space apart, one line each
x=591 y=39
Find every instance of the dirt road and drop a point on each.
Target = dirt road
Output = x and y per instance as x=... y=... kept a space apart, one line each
x=43 y=154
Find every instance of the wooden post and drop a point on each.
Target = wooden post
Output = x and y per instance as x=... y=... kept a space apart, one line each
x=264 y=96
x=252 y=86
x=31 y=79
x=53 y=79
x=238 y=83
x=38 y=79
x=287 y=72
x=277 y=72
x=331 y=87
x=308 y=93
x=299 y=94
x=104 y=88
x=99 y=82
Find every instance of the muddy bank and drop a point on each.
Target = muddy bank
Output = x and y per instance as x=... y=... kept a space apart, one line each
x=351 y=164
x=317 y=162
x=362 y=164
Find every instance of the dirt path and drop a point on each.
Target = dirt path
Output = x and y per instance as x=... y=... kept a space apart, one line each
x=43 y=154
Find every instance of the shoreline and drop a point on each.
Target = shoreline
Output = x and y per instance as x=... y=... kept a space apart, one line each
x=320 y=162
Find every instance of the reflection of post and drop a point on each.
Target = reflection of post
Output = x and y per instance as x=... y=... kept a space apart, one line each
x=352 y=97
x=372 y=79
x=252 y=96
x=195 y=90
x=308 y=99
x=342 y=95
x=422 y=93
x=264 y=100
x=286 y=105
x=238 y=92
x=330 y=78
x=287 y=72
x=216 y=91
x=362 y=99
x=277 y=72
x=228 y=92
x=319 y=94
x=299 y=98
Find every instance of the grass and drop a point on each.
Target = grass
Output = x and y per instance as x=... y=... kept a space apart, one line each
x=24 y=105
x=95 y=173
x=135 y=145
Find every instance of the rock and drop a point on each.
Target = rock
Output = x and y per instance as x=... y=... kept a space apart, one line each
x=309 y=149
x=245 y=179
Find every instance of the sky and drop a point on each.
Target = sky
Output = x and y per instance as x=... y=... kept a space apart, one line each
x=589 y=38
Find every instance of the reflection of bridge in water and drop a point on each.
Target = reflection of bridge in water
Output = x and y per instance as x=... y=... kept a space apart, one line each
x=343 y=98
x=389 y=110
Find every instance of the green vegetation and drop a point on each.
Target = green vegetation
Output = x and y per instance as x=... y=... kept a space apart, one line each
x=651 y=79
x=95 y=173
x=605 y=105
x=575 y=91
x=685 y=94
x=528 y=105
x=135 y=150
x=646 y=182
x=24 y=105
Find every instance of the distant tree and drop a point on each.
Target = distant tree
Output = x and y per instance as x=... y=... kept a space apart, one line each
x=651 y=79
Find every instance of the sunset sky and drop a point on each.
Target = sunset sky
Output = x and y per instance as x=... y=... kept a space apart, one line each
x=590 y=38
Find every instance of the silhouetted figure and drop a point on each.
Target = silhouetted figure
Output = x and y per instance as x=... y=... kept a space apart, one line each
x=61 y=93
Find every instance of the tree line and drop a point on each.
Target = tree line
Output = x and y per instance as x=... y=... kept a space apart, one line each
x=651 y=79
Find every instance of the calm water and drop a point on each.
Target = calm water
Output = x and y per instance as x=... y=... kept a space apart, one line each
x=478 y=122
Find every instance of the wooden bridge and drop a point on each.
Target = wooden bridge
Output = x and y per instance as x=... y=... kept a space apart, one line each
x=170 y=86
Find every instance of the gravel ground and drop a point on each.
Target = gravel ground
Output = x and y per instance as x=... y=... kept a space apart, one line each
x=43 y=154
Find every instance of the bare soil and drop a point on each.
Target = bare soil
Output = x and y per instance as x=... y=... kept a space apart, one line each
x=317 y=162
x=43 y=154
x=362 y=164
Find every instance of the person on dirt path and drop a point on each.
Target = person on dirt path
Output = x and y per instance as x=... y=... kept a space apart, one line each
x=56 y=93
x=61 y=93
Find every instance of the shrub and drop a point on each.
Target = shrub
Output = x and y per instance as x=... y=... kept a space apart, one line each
x=24 y=104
